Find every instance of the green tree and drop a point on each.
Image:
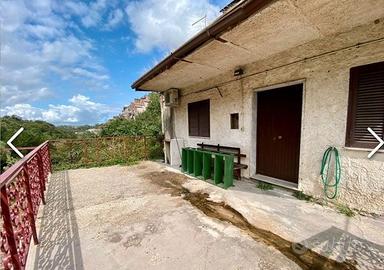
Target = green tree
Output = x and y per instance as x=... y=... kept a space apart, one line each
x=147 y=123
x=35 y=132
x=3 y=156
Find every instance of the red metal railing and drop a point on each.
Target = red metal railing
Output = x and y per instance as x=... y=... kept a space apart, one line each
x=22 y=191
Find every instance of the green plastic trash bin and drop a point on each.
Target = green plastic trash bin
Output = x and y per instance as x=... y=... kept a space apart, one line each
x=184 y=156
x=218 y=168
x=228 y=171
x=190 y=159
x=207 y=172
x=198 y=163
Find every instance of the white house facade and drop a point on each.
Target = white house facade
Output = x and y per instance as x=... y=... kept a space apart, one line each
x=283 y=81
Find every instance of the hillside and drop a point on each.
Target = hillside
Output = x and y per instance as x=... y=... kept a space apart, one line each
x=35 y=132
x=146 y=123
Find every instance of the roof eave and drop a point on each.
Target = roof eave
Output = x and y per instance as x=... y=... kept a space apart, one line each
x=213 y=31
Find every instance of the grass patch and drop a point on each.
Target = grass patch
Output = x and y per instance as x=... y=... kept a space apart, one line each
x=343 y=209
x=302 y=196
x=264 y=186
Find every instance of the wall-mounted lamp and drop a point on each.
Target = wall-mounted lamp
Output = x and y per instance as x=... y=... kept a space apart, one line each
x=238 y=72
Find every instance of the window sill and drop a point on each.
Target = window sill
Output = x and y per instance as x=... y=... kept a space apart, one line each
x=199 y=137
x=361 y=149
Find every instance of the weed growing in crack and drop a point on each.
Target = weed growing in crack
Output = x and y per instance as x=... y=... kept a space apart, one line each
x=264 y=186
x=344 y=209
x=302 y=196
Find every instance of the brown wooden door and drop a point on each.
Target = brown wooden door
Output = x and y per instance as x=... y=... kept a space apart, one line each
x=278 y=132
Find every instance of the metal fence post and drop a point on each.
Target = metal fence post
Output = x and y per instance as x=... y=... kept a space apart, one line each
x=126 y=148
x=8 y=228
x=85 y=151
x=30 y=205
x=98 y=152
x=40 y=165
x=145 y=148
x=49 y=159
x=114 y=150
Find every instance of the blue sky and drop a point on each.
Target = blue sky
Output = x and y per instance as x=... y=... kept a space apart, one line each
x=72 y=62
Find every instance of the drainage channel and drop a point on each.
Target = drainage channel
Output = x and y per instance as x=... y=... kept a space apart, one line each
x=309 y=259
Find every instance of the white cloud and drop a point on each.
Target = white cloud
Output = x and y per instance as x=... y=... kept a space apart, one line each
x=24 y=110
x=61 y=114
x=75 y=7
x=167 y=24
x=42 y=31
x=86 y=73
x=38 y=43
x=13 y=14
x=12 y=94
x=43 y=7
x=80 y=110
x=94 y=14
x=86 y=103
x=115 y=18
x=67 y=50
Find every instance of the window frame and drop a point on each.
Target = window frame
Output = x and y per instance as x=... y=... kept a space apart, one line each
x=200 y=109
x=234 y=119
x=354 y=76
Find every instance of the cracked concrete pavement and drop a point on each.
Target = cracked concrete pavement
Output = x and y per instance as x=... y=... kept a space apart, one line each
x=116 y=218
x=112 y=218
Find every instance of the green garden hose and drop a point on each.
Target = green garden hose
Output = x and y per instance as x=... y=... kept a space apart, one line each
x=330 y=189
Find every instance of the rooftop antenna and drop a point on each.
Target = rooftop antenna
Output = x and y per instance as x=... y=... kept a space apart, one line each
x=199 y=20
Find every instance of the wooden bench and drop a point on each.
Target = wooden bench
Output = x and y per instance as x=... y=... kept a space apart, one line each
x=237 y=166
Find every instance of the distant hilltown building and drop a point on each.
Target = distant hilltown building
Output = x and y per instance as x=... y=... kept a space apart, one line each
x=136 y=107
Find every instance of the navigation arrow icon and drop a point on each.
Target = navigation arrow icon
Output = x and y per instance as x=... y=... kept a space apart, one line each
x=9 y=142
x=381 y=143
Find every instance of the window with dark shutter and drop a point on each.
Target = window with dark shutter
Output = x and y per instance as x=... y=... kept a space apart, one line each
x=198 y=118
x=234 y=121
x=366 y=105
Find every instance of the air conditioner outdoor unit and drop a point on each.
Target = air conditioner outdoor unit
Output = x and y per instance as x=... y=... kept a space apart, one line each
x=171 y=97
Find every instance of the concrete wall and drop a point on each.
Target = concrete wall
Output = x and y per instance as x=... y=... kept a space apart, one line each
x=326 y=87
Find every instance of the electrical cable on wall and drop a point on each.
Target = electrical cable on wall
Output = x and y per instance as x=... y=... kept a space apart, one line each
x=358 y=45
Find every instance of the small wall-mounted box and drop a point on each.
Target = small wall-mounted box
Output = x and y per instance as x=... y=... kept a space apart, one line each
x=171 y=97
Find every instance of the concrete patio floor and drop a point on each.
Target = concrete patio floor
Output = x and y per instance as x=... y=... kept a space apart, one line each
x=135 y=217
